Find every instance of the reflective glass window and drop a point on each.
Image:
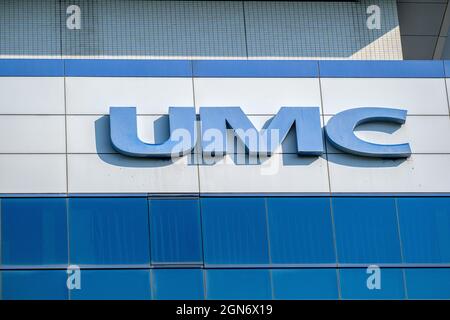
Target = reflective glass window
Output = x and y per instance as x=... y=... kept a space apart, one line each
x=300 y=230
x=34 y=285
x=371 y=283
x=366 y=230
x=238 y=284
x=428 y=283
x=425 y=229
x=33 y=231
x=305 y=284
x=107 y=231
x=178 y=284
x=175 y=231
x=113 y=285
x=234 y=231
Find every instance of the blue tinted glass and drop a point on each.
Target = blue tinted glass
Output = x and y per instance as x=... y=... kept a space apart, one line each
x=234 y=231
x=33 y=231
x=238 y=284
x=109 y=231
x=305 y=284
x=366 y=230
x=178 y=284
x=175 y=231
x=300 y=230
x=34 y=285
x=362 y=283
x=432 y=283
x=113 y=285
x=425 y=229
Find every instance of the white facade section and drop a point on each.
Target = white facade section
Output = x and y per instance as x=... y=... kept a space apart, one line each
x=148 y=95
x=32 y=95
x=32 y=134
x=279 y=173
x=418 y=96
x=257 y=96
x=33 y=173
x=47 y=151
x=114 y=173
x=419 y=173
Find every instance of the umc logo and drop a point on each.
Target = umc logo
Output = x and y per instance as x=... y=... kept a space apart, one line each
x=215 y=121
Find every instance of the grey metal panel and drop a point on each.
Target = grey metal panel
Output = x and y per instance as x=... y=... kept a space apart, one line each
x=443 y=46
x=445 y=23
x=418 y=47
x=440 y=47
x=420 y=18
x=446 y=50
x=422 y=1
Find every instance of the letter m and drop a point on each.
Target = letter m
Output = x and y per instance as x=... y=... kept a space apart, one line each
x=216 y=120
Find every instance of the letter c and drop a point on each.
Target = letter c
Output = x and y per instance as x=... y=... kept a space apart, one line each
x=340 y=132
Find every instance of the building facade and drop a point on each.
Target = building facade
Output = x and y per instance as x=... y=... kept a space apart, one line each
x=81 y=220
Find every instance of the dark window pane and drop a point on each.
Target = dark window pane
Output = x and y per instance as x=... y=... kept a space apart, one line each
x=175 y=231
x=34 y=285
x=235 y=231
x=33 y=232
x=109 y=231
x=300 y=230
x=113 y=285
x=425 y=229
x=305 y=284
x=178 y=284
x=428 y=283
x=238 y=284
x=359 y=284
x=366 y=230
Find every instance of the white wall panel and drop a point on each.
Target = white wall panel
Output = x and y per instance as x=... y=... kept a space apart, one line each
x=88 y=134
x=148 y=95
x=32 y=134
x=31 y=95
x=281 y=173
x=113 y=173
x=257 y=95
x=418 y=96
x=88 y=100
x=32 y=173
x=419 y=173
x=447 y=84
x=425 y=134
